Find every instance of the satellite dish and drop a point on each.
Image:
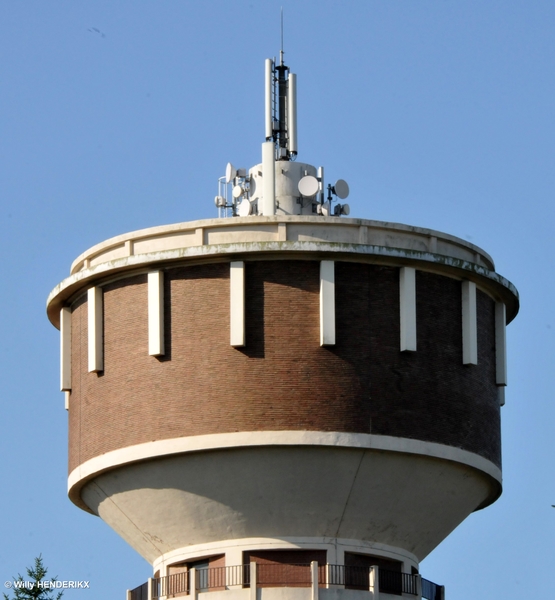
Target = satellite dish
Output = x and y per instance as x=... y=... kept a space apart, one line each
x=245 y=208
x=237 y=191
x=230 y=173
x=341 y=189
x=345 y=210
x=308 y=186
x=326 y=209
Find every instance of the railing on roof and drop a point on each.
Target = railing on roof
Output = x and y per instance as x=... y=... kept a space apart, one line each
x=139 y=593
x=432 y=591
x=288 y=575
x=170 y=585
x=358 y=578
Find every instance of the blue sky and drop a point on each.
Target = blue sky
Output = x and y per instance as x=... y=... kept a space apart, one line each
x=120 y=115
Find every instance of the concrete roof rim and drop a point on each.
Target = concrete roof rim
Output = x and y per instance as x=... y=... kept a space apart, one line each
x=231 y=221
x=365 y=253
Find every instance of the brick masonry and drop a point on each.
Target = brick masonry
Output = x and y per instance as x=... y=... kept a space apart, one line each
x=283 y=379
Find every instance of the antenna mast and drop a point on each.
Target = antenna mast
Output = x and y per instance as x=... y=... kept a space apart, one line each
x=281 y=106
x=281 y=46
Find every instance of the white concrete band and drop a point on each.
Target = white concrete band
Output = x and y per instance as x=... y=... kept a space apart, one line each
x=327 y=303
x=159 y=448
x=65 y=349
x=469 y=323
x=500 y=344
x=407 y=304
x=156 y=313
x=95 y=312
x=237 y=304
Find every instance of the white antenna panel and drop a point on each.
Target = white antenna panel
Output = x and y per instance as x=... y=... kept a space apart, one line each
x=237 y=191
x=292 y=114
x=269 y=117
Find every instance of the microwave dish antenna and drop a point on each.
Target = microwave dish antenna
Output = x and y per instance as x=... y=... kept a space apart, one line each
x=341 y=189
x=230 y=173
x=245 y=208
x=309 y=186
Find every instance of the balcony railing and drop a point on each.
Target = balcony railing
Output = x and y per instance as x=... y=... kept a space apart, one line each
x=139 y=593
x=288 y=575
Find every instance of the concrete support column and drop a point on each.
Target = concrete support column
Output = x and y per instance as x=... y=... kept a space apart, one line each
x=314 y=580
x=128 y=595
x=149 y=588
x=418 y=587
x=374 y=583
x=193 y=592
x=253 y=580
x=234 y=560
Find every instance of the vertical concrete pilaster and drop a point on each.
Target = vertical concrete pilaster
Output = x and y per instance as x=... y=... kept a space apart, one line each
x=327 y=303
x=156 y=313
x=193 y=592
x=253 y=580
x=65 y=349
x=149 y=589
x=407 y=304
x=500 y=344
x=95 y=313
x=469 y=323
x=374 y=583
x=237 y=304
x=418 y=587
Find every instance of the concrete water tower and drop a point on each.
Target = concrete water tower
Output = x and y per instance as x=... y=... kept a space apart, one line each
x=283 y=402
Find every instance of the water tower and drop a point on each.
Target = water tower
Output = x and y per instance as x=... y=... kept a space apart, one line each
x=284 y=401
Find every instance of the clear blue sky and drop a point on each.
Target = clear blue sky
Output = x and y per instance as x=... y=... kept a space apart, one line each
x=119 y=115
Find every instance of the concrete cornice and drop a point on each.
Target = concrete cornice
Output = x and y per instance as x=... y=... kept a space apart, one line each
x=497 y=286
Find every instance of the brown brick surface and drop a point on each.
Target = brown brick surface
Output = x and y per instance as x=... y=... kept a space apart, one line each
x=283 y=379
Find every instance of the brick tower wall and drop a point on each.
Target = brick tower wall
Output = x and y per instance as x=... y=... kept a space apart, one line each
x=283 y=379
